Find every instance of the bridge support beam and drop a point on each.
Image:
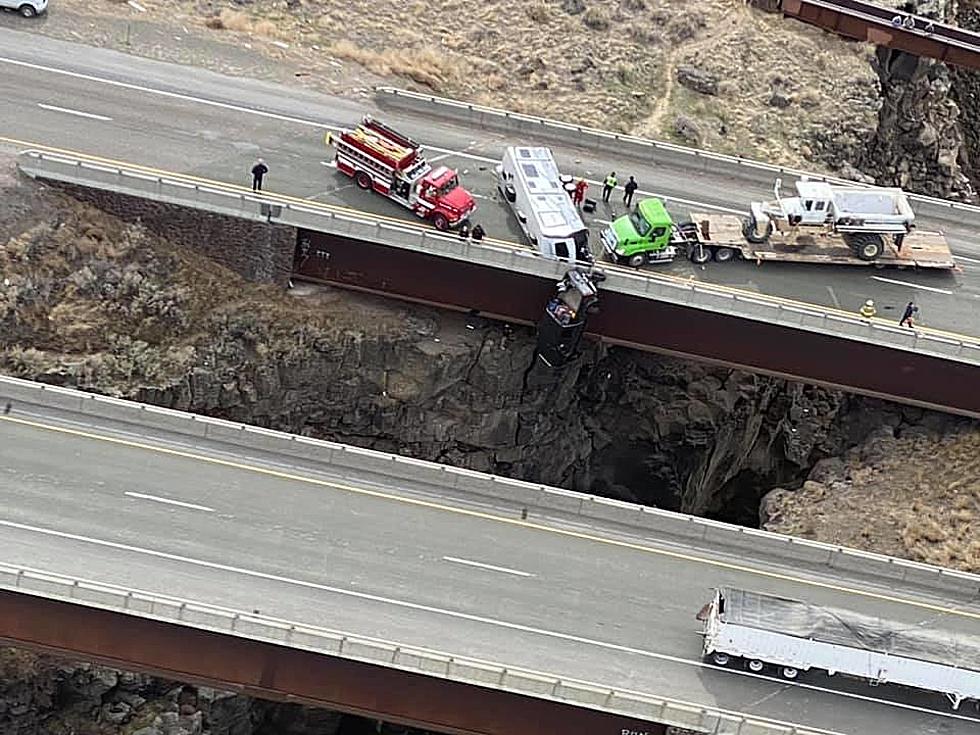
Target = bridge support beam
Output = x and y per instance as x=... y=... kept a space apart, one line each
x=288 y=674
x=646 y=324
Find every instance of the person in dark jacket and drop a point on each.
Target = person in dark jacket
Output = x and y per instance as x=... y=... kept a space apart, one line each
x=629 y=190
x=258 y=171
x=910 y=311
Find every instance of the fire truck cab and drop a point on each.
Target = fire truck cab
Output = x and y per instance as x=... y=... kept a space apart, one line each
x=380 y=158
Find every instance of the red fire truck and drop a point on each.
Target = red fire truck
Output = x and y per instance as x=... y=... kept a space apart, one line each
x=380 y=158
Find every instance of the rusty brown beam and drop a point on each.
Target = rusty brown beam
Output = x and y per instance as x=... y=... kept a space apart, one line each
x=872 y=23
x=281 y=673
x=646 y=324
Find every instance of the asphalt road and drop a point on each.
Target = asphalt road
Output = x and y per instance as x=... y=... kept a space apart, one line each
x=554 y=596
x=196 y=122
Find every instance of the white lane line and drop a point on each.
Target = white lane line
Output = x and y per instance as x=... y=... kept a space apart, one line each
x=833 y=297
x=168 y=501
x=968 y=260
x=602 y=221
x=300 y=121
x=459 y=615
x=491 y=567
x=69 y=111
x=912 y=285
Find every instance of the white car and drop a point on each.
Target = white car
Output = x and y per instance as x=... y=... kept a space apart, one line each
x=27 y=8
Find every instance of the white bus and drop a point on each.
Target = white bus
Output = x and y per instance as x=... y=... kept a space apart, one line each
x=528 y=179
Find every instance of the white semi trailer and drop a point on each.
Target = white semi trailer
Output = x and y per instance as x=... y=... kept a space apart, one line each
x=790 y=637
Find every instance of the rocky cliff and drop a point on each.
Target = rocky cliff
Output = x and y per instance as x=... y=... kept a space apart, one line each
x=89 y=301
x=966 y=92
x=42 y=694
x=919 y=143
x=908 y=492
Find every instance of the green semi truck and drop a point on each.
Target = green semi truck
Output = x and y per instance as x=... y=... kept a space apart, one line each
x=648 y=234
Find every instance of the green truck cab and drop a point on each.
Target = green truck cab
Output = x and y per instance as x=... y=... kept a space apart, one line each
x=642 y=236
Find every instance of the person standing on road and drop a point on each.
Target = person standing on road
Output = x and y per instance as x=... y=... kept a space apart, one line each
x=608 y=185
x=258 y=171
x=628 y=191
x=910 y=311
x=868 y=310
x=578 y=196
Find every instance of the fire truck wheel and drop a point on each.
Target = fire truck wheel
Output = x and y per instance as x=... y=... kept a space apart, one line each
x=440 y=221
x=363 y=179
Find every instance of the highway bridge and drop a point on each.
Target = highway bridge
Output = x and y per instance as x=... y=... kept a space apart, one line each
x=794 y=321
x=895 y=29
x=295 y=568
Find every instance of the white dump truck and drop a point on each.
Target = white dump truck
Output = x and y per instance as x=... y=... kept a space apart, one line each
x=862 y=216
x=789 y=637
x=529 y=181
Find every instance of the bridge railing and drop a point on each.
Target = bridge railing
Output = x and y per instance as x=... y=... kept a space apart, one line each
x=236 y=201
x=205 y=616
x=528 y=501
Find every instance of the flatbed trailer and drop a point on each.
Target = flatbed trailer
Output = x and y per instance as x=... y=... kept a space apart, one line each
x=722 y=237
x=789 y=636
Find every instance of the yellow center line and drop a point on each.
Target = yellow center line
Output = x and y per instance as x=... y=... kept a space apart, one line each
x=339 y=209
x=482 y=515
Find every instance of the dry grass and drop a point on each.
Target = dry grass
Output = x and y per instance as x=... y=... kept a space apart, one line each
x=920 y=501
x=423 y=65
x=235 y=20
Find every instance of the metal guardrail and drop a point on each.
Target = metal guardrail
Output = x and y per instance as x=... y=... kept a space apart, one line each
x=344 y=460
x=237 y=202
x=494 y=118
x=205 y=616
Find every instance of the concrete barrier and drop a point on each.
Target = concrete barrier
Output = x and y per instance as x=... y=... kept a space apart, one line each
x=646 y=149
x=200 y=615
x=493 y=254
x=536 y=499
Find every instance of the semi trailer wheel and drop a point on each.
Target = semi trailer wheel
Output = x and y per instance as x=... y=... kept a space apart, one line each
x=788 y=672
x=755 y=666
x=699 y=254
x=867 y=247
x=363 y=179
x=722 y=659
x=723 y=255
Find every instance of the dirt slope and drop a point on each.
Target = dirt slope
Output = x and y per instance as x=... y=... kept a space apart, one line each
x=718 y=73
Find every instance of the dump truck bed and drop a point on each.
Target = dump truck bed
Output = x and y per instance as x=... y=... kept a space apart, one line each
x=920 y=249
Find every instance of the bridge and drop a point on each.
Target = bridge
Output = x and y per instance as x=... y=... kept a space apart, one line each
x=295 y=568
x=793 y=321
x=896 y=29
